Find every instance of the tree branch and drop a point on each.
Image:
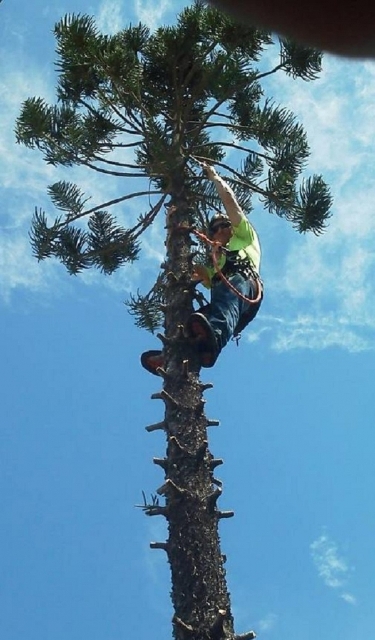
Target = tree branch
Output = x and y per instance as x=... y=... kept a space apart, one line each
x=239 y=177
x=127 y=121
x=95 y=111
x=117 y=164
x=107 y=204
x=233 y=145
x=149 y=217
x=269 y=73
x=113 y=173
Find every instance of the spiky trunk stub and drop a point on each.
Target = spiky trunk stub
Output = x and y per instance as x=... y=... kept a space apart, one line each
x=199 y=593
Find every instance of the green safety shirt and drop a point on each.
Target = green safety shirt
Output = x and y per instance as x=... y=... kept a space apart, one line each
x=244 y=240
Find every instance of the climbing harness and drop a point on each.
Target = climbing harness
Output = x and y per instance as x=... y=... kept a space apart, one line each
x=233 y=265
x=239 y=267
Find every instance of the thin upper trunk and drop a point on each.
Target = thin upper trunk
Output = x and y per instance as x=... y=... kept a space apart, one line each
x=199 y=593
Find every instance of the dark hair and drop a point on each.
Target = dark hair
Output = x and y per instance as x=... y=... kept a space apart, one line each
x=217 y=218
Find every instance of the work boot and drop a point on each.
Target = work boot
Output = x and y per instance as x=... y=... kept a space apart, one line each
x=152 y=360
x=203 y=337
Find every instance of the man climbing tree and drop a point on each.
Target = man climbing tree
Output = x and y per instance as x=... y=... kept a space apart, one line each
x=236 y=288
x=150 y=108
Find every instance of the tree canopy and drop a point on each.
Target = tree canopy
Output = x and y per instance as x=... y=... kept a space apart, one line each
x=147 y=106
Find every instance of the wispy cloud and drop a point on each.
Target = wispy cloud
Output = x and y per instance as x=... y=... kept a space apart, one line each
x=323 y=290
x=349 y=598
x=152 y=13
x=267 y=623
x=19 y=269
x=24 y=177
x=20 y=170
x=313 y=332
x=110 y=18
x=332 y=567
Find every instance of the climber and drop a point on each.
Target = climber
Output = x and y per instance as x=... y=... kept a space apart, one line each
x=236 y=289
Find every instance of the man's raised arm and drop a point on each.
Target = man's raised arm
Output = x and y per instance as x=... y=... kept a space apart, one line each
x=226 y=195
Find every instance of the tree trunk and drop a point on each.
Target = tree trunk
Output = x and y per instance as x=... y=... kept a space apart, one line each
x=199 y=592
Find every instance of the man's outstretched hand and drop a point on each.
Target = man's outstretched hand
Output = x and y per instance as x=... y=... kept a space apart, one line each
x=209 y=171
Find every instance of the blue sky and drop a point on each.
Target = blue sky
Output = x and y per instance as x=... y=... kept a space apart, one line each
x=295 y=399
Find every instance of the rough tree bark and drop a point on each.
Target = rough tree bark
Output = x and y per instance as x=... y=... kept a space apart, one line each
x=199 y=591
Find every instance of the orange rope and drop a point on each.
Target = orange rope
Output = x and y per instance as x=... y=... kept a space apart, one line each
x=215 y=250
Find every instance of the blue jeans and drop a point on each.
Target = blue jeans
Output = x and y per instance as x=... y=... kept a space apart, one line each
x=226 y=308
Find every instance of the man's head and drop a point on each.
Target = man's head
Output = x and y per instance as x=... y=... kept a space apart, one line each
x=220 y=228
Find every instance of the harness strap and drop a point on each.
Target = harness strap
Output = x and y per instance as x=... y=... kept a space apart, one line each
x=216 y=249
x=252 y=273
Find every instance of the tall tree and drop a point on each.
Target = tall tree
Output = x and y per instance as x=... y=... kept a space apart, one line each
x=149 y=107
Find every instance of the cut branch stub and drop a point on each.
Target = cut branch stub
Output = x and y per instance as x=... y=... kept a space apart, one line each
x=225 y=514
x=159 y=545
x=205 y=386
x=161 y=462
x=158 y=426
x=156 y=511
x=166 y=341
x=164 y=395
x=213 y=423
x=157 y=396
x=215 y=462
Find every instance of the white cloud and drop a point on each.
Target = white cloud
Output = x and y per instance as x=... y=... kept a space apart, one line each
x=328 y=283
x=109 y=17
x=328 y=108
x=151 y=13
x=316 y=333
x=19 y=269
x=349 y=598
x=323 y=293
x=267 y=623
x=24 y=177
x=331 y=566
x=20 y=170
